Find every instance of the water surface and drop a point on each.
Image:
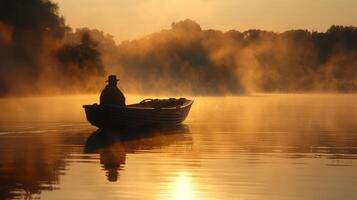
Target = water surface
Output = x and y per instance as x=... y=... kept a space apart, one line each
x=246 y=147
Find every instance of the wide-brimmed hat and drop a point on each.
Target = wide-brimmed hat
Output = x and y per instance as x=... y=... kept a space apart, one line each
x=112 y=78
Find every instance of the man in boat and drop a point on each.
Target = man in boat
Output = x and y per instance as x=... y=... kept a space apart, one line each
x=111 y=93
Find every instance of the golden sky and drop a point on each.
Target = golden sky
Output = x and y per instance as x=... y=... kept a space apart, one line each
x=131 y=19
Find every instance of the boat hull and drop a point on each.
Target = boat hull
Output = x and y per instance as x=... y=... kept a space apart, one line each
x=118 y=117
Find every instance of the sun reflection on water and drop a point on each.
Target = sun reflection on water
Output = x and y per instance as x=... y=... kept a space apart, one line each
x=182 y=187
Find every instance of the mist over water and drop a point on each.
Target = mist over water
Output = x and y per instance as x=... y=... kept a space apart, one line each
x=38 y=47
x=213 y=62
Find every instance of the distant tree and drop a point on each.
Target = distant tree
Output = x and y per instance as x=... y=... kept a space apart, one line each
x=81 y=61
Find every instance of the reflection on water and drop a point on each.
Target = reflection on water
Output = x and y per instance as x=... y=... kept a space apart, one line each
x=32 y=161
x=32 y=158
x=248 y=147
x=112 y=147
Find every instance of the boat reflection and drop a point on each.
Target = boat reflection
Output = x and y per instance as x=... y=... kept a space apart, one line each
x=112 y=146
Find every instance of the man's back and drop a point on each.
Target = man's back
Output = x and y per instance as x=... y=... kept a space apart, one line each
x=112 y=95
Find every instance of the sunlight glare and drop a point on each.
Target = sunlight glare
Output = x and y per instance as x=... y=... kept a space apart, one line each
x=183 y=189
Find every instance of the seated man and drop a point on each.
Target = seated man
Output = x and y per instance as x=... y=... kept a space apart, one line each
x=111 y=93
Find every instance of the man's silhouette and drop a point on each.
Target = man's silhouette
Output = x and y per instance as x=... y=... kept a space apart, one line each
x=111 y=93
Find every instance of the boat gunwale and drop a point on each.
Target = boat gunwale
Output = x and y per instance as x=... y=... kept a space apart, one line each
x=129 y=107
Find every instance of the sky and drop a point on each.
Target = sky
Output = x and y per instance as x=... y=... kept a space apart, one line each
x=133 y=19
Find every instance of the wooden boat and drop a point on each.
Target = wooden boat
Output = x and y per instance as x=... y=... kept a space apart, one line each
x=147 y=113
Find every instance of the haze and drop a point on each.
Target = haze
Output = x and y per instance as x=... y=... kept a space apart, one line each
x=128 y=19
x=186 y=45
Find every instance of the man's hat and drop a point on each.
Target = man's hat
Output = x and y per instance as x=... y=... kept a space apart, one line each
x=112 y=78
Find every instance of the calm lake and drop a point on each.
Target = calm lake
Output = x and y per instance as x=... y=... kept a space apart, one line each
x=260 y=146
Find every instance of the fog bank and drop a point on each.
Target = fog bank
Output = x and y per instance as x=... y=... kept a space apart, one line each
x=40 y=54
